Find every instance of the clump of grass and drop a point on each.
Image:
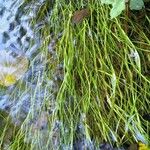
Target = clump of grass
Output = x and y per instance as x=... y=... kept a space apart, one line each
x=105 y=90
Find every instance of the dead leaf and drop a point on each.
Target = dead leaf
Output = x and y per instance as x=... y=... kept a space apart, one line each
x=80 y=15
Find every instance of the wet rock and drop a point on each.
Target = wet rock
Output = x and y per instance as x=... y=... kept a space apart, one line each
x=133 y=147
x=41 y=122
x=106 y=146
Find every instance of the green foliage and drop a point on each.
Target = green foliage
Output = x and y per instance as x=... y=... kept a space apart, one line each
x=119 y=5
x=136 y=4
x=105 y=89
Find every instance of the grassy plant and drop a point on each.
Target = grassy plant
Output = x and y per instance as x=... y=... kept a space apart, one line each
x=105 y=88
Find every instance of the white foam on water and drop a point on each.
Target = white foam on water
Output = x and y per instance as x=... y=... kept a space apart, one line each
x=16 y=34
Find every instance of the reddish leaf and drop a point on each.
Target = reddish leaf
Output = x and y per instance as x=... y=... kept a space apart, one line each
x=80 y=15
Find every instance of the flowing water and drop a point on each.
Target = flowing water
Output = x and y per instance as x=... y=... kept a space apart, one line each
x=28 y=98
x=16 y=34
x=15 y=30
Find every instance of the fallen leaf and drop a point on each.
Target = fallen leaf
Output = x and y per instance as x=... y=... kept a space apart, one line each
x=143 y=146
x=138 y=146
x=80 y=15
x=12 y=67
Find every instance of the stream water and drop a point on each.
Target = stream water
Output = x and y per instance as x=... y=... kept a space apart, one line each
x=18 y=35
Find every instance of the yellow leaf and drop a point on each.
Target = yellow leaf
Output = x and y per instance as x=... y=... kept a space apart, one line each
x=12 y=67
x=142 y=146
x=10 y=79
